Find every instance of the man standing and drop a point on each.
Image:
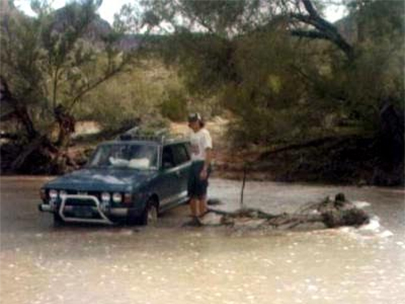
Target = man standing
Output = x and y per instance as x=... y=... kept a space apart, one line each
x=201 y=153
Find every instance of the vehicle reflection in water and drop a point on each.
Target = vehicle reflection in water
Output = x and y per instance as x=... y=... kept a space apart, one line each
x=169 y=264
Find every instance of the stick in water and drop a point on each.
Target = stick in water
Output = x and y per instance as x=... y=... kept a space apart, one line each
x=243 y=187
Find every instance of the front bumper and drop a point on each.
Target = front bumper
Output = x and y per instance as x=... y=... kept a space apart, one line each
x=103 y=214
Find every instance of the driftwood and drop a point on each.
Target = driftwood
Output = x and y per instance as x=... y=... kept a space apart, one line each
x=332 y=213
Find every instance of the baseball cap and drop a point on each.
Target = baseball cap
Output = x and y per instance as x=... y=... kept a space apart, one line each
x=194 y=117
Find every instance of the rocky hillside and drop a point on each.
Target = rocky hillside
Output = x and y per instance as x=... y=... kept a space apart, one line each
x=95 y=33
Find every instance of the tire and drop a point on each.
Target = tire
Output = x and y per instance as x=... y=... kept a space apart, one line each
x=57 y=220
x=149 y=216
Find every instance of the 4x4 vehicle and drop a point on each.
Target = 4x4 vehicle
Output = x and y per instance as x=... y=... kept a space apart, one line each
x=133 y=178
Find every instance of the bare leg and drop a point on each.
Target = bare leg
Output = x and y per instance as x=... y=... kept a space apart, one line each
x=203 y=205
x=193 y=207
x=198 y=207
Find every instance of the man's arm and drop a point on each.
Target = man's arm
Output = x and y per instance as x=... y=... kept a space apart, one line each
x=208 y=156
x=207 y=161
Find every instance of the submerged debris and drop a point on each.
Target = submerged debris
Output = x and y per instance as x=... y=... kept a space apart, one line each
x=214 y=202
x=332 y=213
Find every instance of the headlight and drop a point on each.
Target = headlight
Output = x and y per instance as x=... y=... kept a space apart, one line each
x=53 y=194
x=117 y=197
x=43 y=194
x=105 y=197
x=62 y=194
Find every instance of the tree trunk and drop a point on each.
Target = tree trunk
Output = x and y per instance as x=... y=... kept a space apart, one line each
x=66 y=123
x=20 y=110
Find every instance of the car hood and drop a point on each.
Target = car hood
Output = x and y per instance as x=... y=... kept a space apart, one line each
x=97 y=179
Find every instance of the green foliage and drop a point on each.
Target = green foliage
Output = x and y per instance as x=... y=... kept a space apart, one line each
x=376 y=74
x=268 y=98
x=280 y=87
x=202 y=61
x=174 y=105
x=223 y=18
x=54 y=60
x=130 y=96
x=378 y=20
x=236 y=55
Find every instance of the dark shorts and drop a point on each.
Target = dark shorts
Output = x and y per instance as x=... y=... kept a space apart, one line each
x=197 y=188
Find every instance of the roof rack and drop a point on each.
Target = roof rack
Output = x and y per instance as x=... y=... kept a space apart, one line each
x=161 y=135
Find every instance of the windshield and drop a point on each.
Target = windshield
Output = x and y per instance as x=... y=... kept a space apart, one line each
x=125 y=156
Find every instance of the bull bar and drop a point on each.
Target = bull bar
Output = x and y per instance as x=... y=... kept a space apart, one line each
x=97 y=207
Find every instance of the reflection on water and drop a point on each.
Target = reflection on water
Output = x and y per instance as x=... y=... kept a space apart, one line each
x=168 y=264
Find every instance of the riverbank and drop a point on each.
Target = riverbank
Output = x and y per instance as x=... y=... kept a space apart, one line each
x=345 y=159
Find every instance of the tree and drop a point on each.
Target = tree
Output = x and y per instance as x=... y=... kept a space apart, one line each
x=228 y=48
x=50 y=63
x=244 y=52
x=321 y=28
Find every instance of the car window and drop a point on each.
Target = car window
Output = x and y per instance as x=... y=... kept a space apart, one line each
x=125 y=156
x=180 y=154
x=167 y=157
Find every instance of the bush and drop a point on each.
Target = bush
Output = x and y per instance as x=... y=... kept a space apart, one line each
x=134 y=96
x=174 y=105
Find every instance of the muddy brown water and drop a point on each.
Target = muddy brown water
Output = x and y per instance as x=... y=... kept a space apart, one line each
x=40 y=263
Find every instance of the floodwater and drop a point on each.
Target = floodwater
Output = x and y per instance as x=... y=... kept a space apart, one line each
x=170 y=264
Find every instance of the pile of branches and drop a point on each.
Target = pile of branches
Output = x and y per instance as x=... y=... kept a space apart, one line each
x=332 y=213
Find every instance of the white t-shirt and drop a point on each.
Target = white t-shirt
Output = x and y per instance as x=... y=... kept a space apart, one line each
x=200 y=141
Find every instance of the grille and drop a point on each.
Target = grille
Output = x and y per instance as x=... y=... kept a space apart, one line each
x=79 y=202
x=82 y=202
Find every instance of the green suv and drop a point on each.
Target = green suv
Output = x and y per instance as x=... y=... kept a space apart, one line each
x=133 y=178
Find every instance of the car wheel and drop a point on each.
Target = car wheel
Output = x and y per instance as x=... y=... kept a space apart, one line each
x=57 y=220
x=150 y=214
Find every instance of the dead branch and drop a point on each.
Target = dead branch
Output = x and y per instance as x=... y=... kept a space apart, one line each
x=332 y=213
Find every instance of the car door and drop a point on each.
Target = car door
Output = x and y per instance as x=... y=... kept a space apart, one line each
x=169 y=177
x=182 y=160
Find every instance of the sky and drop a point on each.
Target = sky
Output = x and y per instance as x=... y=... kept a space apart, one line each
x=110 y=7
x=106 y=11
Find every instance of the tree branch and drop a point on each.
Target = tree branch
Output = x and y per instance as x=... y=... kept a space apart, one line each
x=109 y=73
x=92 y=86
x=309 y=34
x=325 y=29
x=310 y=8
x=20 y=111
